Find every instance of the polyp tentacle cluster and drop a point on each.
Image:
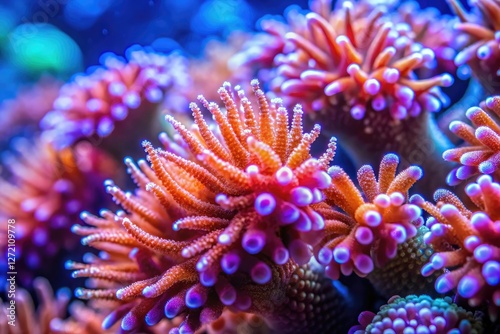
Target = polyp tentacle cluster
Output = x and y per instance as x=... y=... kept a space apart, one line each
x=217 y=219
x=44 y=195
x=483 y=54
x=120 y=93
x=467 y=243
x=367 y=65
x=482 y=152
x=376 y=219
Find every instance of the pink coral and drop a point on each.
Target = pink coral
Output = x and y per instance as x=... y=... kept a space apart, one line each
x=362 y=63
x=483 y=53
x=481 y=154
x=467 y=243
x=44 y=195
x=120 y=93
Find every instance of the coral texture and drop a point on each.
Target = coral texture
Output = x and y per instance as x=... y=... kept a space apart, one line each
x=401 y=275
x=45 y=192
x=466 y=242
x=483 y=53
x=418 y=314
x=481 y=155
x=375 y=220
x=209 y=228
x=117 y=94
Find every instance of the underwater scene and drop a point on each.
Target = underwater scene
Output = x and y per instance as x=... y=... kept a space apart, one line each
x=240 y=166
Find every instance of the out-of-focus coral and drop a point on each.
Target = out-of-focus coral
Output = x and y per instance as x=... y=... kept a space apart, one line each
x=118 y=98
x=483 y=29
x=19 y=315
x=28 y=107
x=466 y=242
x=216 y=221
x=375 y=220
x=44 y=194
x=401 y=275
x=481 y=154
x=434 y=31
x=419 y=314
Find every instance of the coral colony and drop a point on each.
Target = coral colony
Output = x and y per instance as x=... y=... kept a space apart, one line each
x=241 y=218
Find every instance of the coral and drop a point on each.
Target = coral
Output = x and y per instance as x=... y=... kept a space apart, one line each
x=401 y=275
x=28 y=107
x=241 y=322
x=466 y=243
x=220 y=212
x=50 y=316
x=361 y=64
x=44 y=194
x=481 y=154
x=114 y=98
x=418 y=314
x=433 y=31
x=482 y=55
x=23 y=318
x=312 y=304
x=374 y=220
x=360 y=73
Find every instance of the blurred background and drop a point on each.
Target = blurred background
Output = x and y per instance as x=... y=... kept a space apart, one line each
x=62 y=37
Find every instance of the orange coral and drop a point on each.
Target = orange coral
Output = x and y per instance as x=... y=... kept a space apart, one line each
x=374 y=221
x=221 y=210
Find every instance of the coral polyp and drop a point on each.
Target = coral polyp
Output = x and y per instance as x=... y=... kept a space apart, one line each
x=121 y=92
x=466 y=242
x=434 y=31
x=365 y=66
x=220 y=223
x=481 y=154
x=44 y=194
x=418 y=314
x=483 y=53
x=375 y=220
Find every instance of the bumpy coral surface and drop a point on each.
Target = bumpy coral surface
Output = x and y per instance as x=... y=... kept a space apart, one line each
x=121 y=92
x=401 y=275
x=217 y=218
x=44 y=195
x=483 y=53
x=418 y=314
x=375 y=220
x=481 y=154
x=467 y=243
